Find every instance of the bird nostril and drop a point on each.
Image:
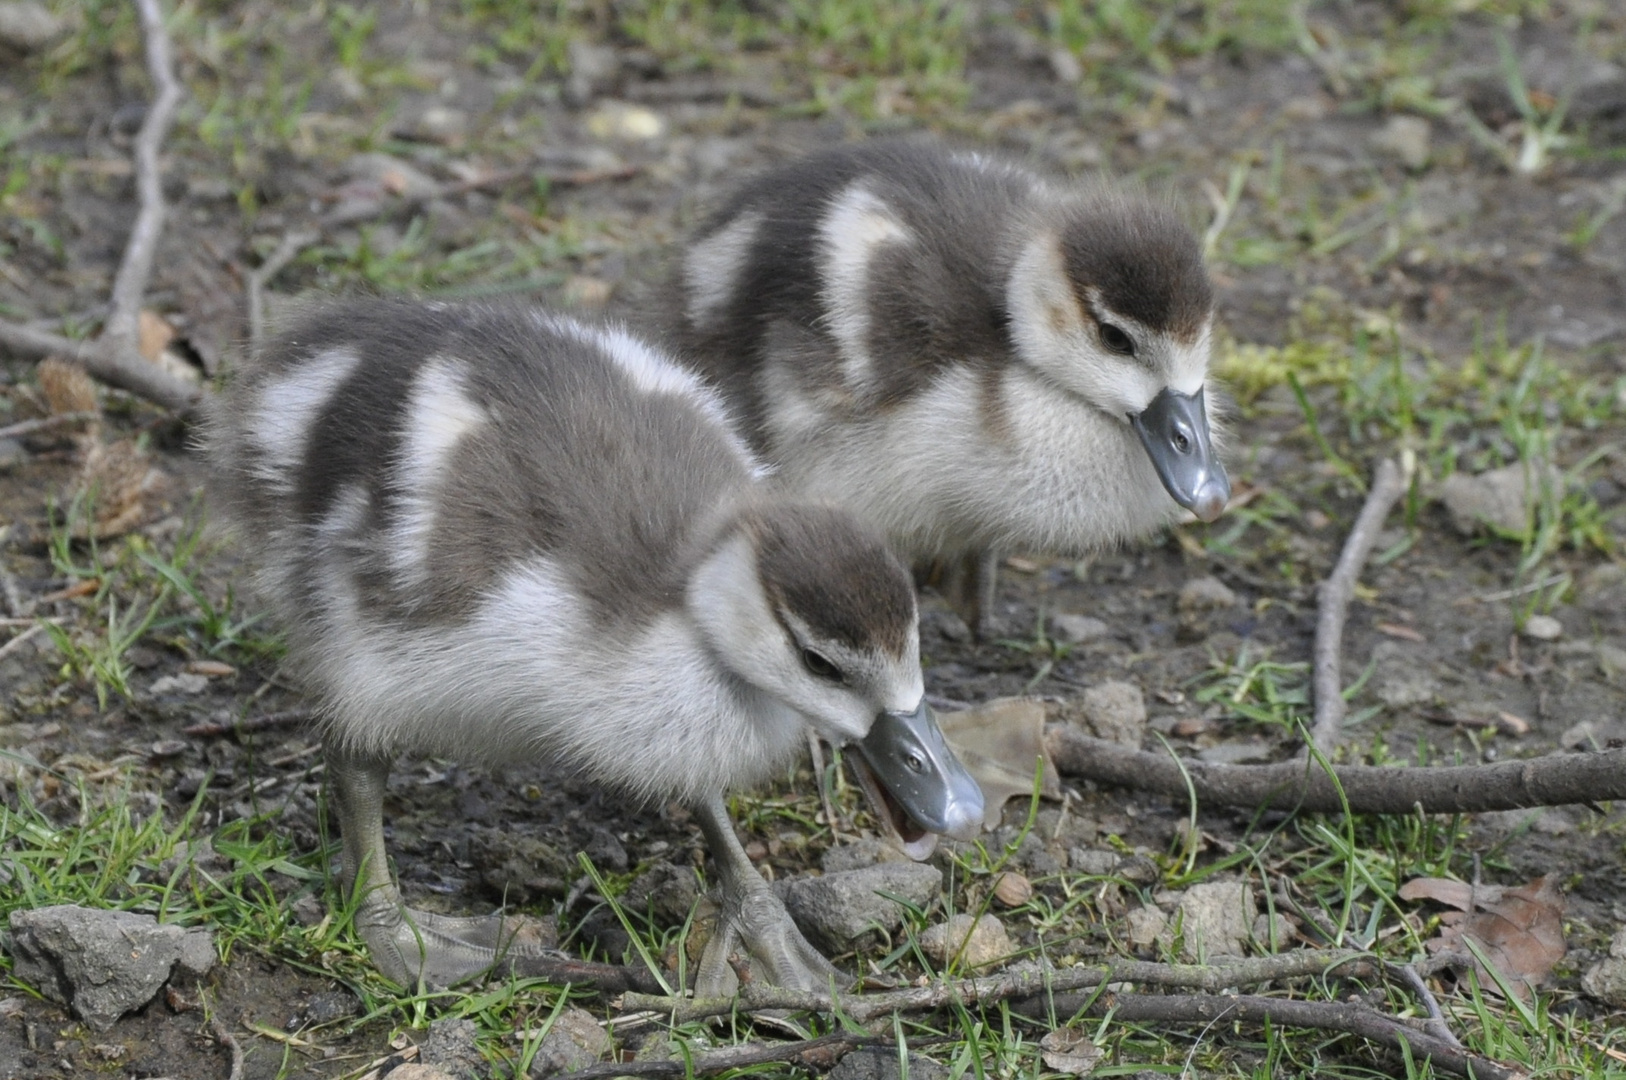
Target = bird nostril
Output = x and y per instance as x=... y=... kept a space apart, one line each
x=1181 y=443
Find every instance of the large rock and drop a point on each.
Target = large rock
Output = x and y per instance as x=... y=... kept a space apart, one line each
x=837 y=910
x=102 y=963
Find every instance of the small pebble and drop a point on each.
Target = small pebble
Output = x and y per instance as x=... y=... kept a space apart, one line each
x=1012 y=889
x=1543 y=628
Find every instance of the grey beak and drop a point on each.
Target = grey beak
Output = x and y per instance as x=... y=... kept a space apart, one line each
x=908 y=756
x=1174 y=431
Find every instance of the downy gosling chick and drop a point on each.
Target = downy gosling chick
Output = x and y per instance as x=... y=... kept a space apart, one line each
x=496 y=534
x=970 y=356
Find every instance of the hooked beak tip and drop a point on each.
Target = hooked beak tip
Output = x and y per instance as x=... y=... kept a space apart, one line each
x=1210 y=501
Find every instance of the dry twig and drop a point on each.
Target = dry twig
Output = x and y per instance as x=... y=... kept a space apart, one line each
x=226 y=1039
x=1552 y=780
x=755 y=997
x=1343 y=1016
x=114 y=358
x=1332 y=604
x=44 y=423
x=212 y=729
x=817 y=1055
x=17 y=642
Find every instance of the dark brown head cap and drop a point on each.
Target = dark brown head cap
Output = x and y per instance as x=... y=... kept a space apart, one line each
x=836 y=576
x=1140 y=259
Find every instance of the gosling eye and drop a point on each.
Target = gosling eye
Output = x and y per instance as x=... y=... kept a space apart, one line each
x=1115 y=339
x=819 y=665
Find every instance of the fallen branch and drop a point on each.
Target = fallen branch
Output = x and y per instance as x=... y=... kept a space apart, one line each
x=115 y=358
x=818 y=1055
x=45 y=423
x=1332 y=603
x=1553 y=780
x=1343 y=1016
x=213 y=729
x=756 y=997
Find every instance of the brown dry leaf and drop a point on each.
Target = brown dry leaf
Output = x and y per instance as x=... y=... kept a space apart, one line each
x=66 y=386
x=1068 y=1049
x=127 y=489
x=1000 y=743
x=153 y=334
x=1401 y=631
x=1520 y=930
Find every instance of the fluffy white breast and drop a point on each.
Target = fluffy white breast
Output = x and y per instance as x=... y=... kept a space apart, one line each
x=530 y=677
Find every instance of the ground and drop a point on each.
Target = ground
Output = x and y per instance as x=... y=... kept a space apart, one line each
x=1413 y=216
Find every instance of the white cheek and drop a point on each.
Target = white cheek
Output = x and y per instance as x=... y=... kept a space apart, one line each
x=1189 y=369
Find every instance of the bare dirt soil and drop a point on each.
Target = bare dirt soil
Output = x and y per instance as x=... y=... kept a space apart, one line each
x=1346 y=236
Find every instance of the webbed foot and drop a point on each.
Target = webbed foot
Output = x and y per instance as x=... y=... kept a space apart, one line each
x=755 y=931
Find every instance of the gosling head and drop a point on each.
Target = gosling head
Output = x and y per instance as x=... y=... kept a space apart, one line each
x=811 y=608
x=1110 y=303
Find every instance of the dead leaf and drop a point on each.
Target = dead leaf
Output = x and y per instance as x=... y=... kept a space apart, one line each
x=1520 y=930
x=1068 y=1049
x=66 y=385
x=1000 y=743
x=1023 y=565
x=154 y=334
x=1512 y=723
x=1401 y=631
x=211 y=668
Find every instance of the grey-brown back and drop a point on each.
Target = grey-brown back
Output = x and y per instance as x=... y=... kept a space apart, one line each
x=429 y=447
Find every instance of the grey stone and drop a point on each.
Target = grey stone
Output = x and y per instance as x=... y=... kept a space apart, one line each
x=951 y=626
x=1114 y=711
x=975 y=942
x=27 y=27
x=1405 y=138
x=198 y=954
x=665 y=891
x=859 y=854
x=1145 y=925
x=1543 y=628
x=1611 y=661
x=450 y=1047
x=606 y=851
x=330 y=1006
x=1606 y=980
x=183 y=683
x=1215 y=918
x=1205 y=594
x=575 y=1041
x=1496 y=499
x=838 y=910
x=1272 y=932
x=1401 y=679
x=1071 y=629
x=875 y=1063
x=103 y=963
x=593 y=70
x=11 y=452
x=1095 y=862
x=393 y=174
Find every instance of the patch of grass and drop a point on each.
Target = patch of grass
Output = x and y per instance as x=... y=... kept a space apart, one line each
x=142 y=591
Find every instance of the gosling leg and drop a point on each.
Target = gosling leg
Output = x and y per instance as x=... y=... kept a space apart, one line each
x=753 y=917
x=410 y=946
